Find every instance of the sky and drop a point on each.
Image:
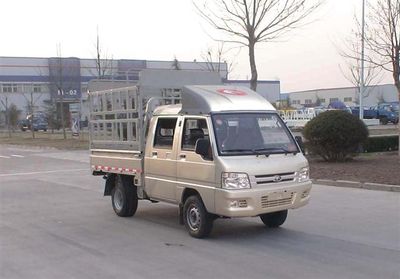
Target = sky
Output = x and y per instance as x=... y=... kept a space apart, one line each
x=305 y=59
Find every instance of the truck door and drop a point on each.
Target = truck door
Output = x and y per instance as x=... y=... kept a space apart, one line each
x=194 y=171
x=160 y=162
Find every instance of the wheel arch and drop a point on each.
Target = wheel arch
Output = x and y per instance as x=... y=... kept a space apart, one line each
x=110 y=181
x=187 y=192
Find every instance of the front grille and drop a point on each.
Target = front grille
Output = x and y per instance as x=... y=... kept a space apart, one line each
x=275 y=178
x=270 y=201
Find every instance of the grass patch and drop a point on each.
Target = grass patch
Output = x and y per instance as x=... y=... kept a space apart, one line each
x=46 y=139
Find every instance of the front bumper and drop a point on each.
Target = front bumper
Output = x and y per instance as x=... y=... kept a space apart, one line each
x=256 y=201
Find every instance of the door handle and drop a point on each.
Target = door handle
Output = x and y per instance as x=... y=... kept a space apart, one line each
x=182 y=156
x=154 y=153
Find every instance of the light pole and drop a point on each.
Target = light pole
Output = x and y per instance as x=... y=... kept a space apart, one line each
x=362 y=61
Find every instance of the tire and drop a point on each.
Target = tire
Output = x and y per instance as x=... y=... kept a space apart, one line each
x=197 y=220
x=274 y=219
x=124 y=196
x=383 y=121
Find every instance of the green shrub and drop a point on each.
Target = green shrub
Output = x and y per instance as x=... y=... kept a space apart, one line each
x=383 y=143
x=335 y=135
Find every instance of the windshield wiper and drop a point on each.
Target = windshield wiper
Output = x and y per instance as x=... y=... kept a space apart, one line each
x=250 y=151
x=284 y=150
x=263 y=151
x=237 y=150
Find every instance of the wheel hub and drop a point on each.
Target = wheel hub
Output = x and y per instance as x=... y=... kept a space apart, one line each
x=193 y=218
x=118 y=200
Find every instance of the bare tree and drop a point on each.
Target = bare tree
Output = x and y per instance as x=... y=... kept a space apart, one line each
x=6 y=111
x=30 y=107
x=248 y=22
x=104 y=62
x=13 y=115
x=58 y=86
x=215 y=58
x=383 y=39
x=351 y=67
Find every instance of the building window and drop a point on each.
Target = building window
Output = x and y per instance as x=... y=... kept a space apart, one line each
x=9 y=88
x=308 y=101
x=27 y=88
x=322 y=101
x=333 y=100
x=348 y=99
x=296 y=102
x=37 y=88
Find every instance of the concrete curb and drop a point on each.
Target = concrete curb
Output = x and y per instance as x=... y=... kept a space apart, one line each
x=356 y=184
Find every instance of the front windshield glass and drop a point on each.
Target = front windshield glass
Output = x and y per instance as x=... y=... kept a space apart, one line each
x=252 y=133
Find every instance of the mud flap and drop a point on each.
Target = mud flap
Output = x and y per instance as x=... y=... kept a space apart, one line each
x=110 y=183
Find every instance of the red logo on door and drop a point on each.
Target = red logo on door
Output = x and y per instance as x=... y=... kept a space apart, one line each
x=234 y=92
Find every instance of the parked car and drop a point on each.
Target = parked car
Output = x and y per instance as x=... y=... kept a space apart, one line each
x=37 y=125
x=24 y=125
x=40 y=125
x=387 y=112
x=368 y=112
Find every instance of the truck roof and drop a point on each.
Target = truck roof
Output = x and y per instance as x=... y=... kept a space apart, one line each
x=204 y=99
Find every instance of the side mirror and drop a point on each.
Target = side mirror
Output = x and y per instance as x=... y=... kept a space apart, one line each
x=202 y=147
x=300 y=142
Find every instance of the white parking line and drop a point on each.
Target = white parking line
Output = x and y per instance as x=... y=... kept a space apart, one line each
x=18 y=156
x=5 y=157
x=41 y=172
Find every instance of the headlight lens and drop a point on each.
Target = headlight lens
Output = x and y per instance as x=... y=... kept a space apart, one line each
x=303 y=175
x=235 y=181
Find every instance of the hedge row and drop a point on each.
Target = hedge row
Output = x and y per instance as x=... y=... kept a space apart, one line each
x=379 y=144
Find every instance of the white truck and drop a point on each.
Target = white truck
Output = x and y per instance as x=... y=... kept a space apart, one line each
x=215 y=151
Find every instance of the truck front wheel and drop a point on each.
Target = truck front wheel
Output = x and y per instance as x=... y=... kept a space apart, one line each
x=274 y=219
x=197 y=220
x=124 y=196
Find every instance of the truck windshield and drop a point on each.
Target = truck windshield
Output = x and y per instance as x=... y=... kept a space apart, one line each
x=252 y=134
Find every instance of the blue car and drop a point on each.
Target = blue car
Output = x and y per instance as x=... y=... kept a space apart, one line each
x=39 y=125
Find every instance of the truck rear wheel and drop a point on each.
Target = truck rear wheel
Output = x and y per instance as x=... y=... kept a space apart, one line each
x=197 y=220
x=124 y=196
x=274 y=219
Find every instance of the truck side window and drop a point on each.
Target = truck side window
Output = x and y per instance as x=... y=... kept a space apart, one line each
x=193 y=130
x=165 y=130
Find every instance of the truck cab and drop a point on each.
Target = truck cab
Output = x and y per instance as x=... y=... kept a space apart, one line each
x=222 y=152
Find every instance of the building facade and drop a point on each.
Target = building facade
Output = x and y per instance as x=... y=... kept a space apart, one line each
x=372 y=96
x=35 y=84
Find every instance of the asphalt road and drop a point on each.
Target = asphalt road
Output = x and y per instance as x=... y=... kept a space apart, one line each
x=55 y=223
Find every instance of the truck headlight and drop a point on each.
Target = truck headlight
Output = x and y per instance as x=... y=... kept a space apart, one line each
x=235 y=181
x=303 y=175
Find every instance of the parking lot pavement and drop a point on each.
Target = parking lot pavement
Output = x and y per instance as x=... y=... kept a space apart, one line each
x=55 y=223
